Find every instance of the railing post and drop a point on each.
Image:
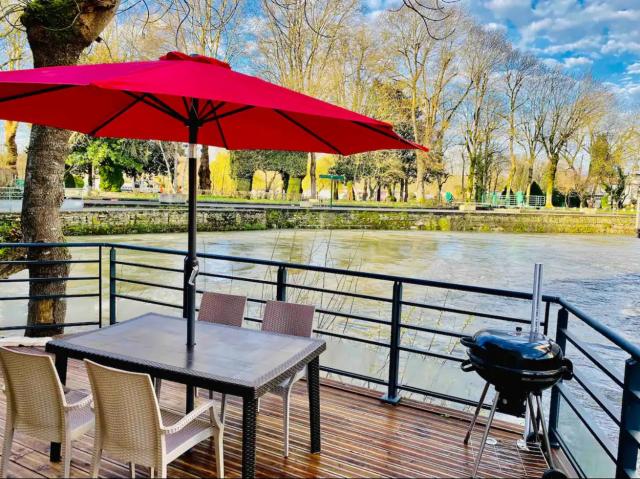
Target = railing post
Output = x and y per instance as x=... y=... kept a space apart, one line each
x=554 y=408
x=281 y=286
x=392 y=396
x=629 y=437
x=99 y=286
x=112 y=286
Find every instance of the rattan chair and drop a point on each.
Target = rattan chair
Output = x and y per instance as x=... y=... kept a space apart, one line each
x=296 y=320
x=131 y=427
x=219 y=308
x=39 y=406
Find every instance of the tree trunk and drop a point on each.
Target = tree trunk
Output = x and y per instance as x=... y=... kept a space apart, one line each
x=11 y=147
x=421 y=168
x=90 y=177
x=551 y=180
x=204 y=174
x=56 y=37
x=312 y=176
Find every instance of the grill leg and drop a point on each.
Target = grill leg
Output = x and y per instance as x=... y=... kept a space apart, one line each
x=545 y=434
x=475 y=416
x=533 y=417
x=486 y=434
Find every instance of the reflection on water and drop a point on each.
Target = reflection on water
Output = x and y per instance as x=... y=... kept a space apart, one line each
x=599 y=274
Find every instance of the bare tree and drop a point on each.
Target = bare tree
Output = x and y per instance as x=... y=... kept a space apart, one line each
x=517 y=70
x=564 y=107
x=297 y=41
x=484 y=55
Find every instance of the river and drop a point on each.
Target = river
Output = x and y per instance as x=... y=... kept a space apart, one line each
x=599 y=274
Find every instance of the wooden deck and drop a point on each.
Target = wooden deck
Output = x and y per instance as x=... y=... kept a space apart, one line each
x=362 y=437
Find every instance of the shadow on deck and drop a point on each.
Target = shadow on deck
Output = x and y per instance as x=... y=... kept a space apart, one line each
x=362 y=437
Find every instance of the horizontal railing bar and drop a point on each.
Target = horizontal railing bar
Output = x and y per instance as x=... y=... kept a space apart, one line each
x=46 y=262
x=49 y=326
x=592 y=390
x=39 y=297
x=337 y=271
x=443 y=332
x=361 y=377
x=353 y=316
x=147 y=283
x=49 y=280
x=462 y=311
x=593 y=357
x=612 y=335
x=338 y=292
x=149 y=266
x=437 y=395
x=333 y=335
x=593 y=429
x=78 y=244
x=237 y=278
x=145 y=300
x=424 y=352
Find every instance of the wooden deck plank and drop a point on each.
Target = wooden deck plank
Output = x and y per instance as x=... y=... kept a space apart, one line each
x=362 y=437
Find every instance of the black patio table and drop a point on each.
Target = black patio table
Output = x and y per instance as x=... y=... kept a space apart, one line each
x=237 y=361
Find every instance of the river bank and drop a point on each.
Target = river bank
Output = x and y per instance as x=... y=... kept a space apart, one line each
x=172 y=220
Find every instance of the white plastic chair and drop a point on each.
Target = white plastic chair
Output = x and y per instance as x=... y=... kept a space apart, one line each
x=296 y=320
x=131 y=427
x=39 y=406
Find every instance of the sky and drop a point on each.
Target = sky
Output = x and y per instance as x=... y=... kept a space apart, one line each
x=601 y=36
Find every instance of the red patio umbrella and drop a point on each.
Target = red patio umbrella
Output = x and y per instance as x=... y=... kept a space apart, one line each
x=192 y=99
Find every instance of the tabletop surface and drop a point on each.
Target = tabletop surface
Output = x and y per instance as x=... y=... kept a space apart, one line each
x=222 y=353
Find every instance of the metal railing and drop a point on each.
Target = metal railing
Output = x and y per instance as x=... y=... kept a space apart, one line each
x=625 y=415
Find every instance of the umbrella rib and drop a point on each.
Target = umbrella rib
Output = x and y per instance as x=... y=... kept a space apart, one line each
x=222 y=137
x=384 y=133
x=307 y=130
x=116 y=115
x=167 y=110
x=19 y=96
x=212 y=114
x=232 y=112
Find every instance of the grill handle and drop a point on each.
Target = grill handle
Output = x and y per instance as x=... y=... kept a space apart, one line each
x=467 y=366
x=567 y=369
x=467 y=341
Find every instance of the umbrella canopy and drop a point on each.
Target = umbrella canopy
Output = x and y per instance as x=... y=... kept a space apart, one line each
x=159 y=100
x=192 y=99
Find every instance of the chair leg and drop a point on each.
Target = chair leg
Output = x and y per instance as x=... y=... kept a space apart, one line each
x=258 y=408
x=132 y=470
x=151 y=472
x=6 y=450
x=95 y=460
x=286 y=399
x=162 y=472
x=218 y=438
x=223 y=407
x=66 y=457
x=158 y=386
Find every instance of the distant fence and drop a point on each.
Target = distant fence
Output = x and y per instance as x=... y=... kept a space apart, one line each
x=518 y=199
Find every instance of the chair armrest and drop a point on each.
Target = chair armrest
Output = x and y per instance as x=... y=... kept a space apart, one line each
x=189 y=418
x=84 y=402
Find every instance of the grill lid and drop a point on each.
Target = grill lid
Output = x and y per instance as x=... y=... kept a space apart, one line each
x=515 y=350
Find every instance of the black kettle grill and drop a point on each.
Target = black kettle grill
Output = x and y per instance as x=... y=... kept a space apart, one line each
x=520 y=365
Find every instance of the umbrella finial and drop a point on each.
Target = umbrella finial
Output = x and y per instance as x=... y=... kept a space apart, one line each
x=194 y=57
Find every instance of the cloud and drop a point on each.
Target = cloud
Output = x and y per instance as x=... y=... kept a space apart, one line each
x=634 y=68
x=575 y=62
x=497 y=27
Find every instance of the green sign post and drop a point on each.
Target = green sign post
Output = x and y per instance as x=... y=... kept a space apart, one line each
x=333 y=179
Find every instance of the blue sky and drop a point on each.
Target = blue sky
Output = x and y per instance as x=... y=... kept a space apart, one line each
x=601 y=36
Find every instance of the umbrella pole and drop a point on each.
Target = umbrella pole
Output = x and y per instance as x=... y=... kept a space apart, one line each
x=191 y=261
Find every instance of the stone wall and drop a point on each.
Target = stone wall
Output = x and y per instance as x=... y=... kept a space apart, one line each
x=160 y=220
